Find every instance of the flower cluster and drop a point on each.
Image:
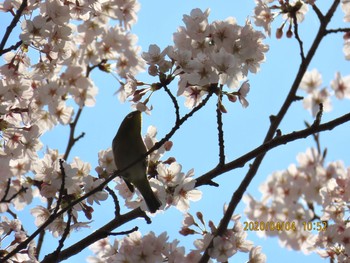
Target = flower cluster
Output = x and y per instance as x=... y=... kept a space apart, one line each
x=290 y=10
x=311 y=83
x=14 y=228
x=345 y=5
x=138 y=248
x=204 y=55
x=298 y=194
x=152 y=248
x=77 y=181
x=225 y=246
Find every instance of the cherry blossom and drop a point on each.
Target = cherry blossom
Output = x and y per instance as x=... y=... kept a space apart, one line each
x=311 y=81
x=255 y=255
x=264 y=14
x=341 y=86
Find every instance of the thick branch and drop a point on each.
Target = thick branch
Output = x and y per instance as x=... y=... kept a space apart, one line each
x=97 y=235
x=262 y=149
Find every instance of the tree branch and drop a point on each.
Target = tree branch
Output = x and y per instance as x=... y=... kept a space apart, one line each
x=265 y=147
x=11 y=27
x=72 y=140
x=220 y=131
x=101 y=233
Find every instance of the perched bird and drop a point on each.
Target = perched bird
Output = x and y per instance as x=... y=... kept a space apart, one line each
x=128 y=146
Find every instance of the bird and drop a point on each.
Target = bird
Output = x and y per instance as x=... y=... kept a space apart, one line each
x=128 y=146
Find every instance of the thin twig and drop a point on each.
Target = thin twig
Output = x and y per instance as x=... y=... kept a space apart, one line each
x=338 y=30
x=65 y=234
x=115 y=200
x=220 y=132
x=61 y=191
x=124 y=232
x=72 y=140
x=12 y=47
x=176 y=105
x=12 y=26
x=297 y=37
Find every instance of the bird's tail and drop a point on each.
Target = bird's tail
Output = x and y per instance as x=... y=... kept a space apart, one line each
x=151 y=199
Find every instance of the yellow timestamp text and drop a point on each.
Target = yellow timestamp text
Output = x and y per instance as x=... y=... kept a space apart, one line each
x=316 y=226
x=284 y=226
x=269 y=226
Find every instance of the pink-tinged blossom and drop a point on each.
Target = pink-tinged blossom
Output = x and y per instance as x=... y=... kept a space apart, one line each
x=23 y=198
x=90 y=184
x=123 y=189
x=153 y=56
x=300 y=14
x=345 y=6
x=313 y=100
x=7 y=226
x=150 y=140
x=123 y=10
x=256 y=256
x=57 y=11
x=5 y=172
x=243 y=92
x=84 y=92
x=170 y=175
x=62 y=112
x=263 y=16
x=129 y=62
x=224 y=33
x=250 y=49
x=341 y=86
x=20 y=166
x=41 y=214
x=346 y=47
x=222 y=249
x=184 y=193
x=46 y=169
x=203 y=72
x=82 y=168
x=127 y=89
x=106 y=160
x=57 y=227
x=35 y=31
x=225 y=64
x=197 y=26
x=311 y=81
x=193 y=95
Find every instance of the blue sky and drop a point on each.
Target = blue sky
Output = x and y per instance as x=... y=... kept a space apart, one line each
x=195 y=145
